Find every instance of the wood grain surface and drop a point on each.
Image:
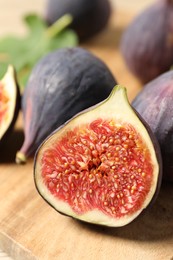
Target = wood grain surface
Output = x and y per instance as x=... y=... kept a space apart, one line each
x=31 y=229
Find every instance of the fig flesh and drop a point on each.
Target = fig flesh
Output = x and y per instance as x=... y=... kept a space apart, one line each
x=62 y=84
x=146 y=52
x=101 y=167
x=9 y=102
x=155 y=104
x=89 y=17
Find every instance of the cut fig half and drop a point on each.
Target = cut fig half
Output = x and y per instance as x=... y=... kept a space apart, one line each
x=9 y=102
x=103 y=166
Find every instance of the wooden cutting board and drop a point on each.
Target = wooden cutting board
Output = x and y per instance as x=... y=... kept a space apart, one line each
x=31 y=229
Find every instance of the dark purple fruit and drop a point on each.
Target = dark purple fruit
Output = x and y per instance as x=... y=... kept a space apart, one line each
x=155 y=104
x=61 y=84
x=9 y=103
x=102 y=166
x=89 y=17
x=147 y=43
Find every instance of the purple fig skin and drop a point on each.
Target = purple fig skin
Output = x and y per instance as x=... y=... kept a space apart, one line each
x=158 y=156
x=155 y=104
x=61 y=84
x=89 y=17
x=147 y=43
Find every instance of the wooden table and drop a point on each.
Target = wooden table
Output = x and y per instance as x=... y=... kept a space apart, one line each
x=31 y=229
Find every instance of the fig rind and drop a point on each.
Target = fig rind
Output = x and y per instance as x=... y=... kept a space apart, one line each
x=116 y=107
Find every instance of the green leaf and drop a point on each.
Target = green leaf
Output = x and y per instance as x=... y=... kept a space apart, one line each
x=35 y=24
x=3 y=69
x=65 y=39
x=24 y=52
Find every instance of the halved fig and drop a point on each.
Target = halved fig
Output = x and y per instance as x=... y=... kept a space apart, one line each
x=103 y=166
x=9 y=102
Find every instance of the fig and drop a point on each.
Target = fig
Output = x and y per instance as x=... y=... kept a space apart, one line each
x=146 y=45
x=89 y=17
x=9 y=102
x=61 y=84
x=103 y=166
x=155 y=104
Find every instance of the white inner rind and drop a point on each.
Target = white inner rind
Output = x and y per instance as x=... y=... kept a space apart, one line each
x=9 y=85
x=117 y=101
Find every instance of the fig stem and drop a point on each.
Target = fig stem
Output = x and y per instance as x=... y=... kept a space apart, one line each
x=20 y=158
x=59 y=25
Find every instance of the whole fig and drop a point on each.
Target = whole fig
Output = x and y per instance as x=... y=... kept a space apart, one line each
x=61 y=84
x=147 y=43
x=155 y=104
x=103 y=166
x=89 y=17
